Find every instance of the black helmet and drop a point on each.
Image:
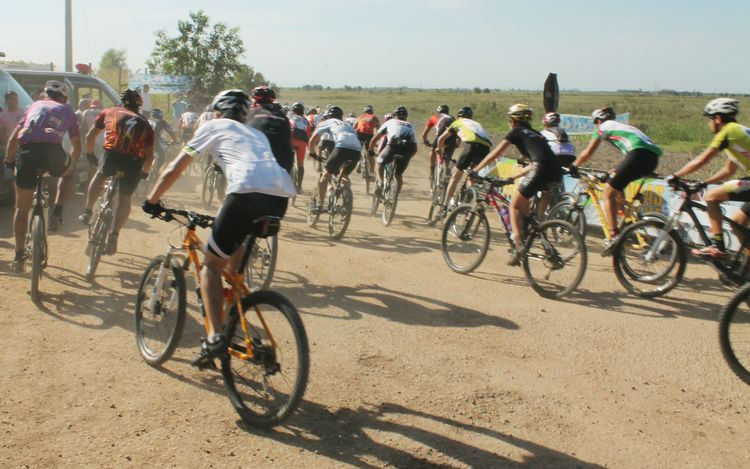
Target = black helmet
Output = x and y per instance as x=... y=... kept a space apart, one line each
x=401 y=113
x=368 y=109
x=466 y=112
x=263 y=94
x=232 y=104
x=334 y=112
x=131 y=99
x=443 y=109
x=603 y=114
x=298 y=108
x=157 y=114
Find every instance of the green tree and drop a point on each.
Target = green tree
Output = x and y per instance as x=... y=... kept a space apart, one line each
x=114 y=59
x=209 y=54
x=246 y=78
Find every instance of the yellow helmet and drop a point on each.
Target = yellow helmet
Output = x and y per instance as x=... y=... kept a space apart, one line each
x=520 y=112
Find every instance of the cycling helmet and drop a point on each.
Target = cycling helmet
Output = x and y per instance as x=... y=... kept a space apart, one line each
x=368 y=109
x=388 y=117
x=603 y=114
x=520 y=112
x=157 y=114
x=552 y=119
x=312 y=111
x=401 y=113
x=56 y=90
x=131 y=99
x=334 y=112
x=263 y=94
x=722 y=107
x=466 y=112
x=298 y=108
x=232 y=104
x=443 y=109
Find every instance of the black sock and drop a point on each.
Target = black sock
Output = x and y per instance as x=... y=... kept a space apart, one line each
x=718 y=241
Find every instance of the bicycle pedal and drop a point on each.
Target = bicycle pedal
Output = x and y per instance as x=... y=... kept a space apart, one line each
x=205 y=364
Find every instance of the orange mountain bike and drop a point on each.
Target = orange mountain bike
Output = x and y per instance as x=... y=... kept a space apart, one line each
x=267 y=364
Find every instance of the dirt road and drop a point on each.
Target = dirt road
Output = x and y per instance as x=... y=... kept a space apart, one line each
x=412 y=365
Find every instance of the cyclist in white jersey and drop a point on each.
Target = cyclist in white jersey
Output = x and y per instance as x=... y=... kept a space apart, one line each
x=401 y=139
x=257 y=186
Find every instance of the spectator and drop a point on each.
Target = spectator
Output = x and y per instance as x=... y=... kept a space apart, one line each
x=9 y=117
x=83 y=105
x=178 y=107
x=147 y=105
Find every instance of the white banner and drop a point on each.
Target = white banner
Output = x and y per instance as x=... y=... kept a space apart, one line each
x=583 y=125
x=160 y=84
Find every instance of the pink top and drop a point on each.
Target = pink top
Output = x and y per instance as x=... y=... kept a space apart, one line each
x=8 y=122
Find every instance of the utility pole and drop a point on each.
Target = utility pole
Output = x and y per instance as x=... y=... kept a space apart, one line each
x=68 y=36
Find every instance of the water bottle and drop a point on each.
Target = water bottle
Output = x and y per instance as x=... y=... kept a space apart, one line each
x=505 y=214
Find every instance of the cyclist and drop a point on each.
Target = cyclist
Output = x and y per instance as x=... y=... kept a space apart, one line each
x=346 y=148
x=366 y=125
x=267 y=117
x=557 y=139
x=734 y=139
x=206 y=115
x=401 y=139
x=128 y=148
x=300 y=136
x=641 y=158
x=160 y=146
x=476 y=146
x=440 y=121
x=36 y=144
x=258 y=186
x=313 y=118
x=187 y=123
x=352 y=119
x=544 y=169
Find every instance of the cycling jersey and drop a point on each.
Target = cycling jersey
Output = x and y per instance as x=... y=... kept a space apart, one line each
x=558 y=141
x=398 y=132
x=470 y=131
x=187 y=120
x=203 y=118
x=300 y=128
x=367 y=124
x=244 y=155
x=734 y=139
x=269 y=119
x=443 y=123
x=342 y=133
x=532 y=145
x=160 y=126
x=434 y=119
x=126 y=132
x=625 y=137
x=47 y=121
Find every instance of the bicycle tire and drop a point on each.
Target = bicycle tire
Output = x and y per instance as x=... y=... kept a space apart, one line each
x=390 y=202
x=629 y=263
x=569 y=212
x=251 y=396
x=734 y=320
x=341 y=213
x=471 y=230
x=37 y=254
x=98 y=241
x=312 y=203
x=556 y=244
x=261 y=265
x=436 y=201
x=146 y=320
x=207 y=190
x=366 y=174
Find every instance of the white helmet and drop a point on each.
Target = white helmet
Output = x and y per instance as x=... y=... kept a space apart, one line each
x=54 y=86
x=722 y=106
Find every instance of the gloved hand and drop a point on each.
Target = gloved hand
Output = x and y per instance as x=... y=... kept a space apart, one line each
x=144 y=175
x=153 y=209
x=671 y=180
x=573 y=171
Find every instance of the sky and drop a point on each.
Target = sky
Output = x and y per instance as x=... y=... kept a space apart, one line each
x=690 y=45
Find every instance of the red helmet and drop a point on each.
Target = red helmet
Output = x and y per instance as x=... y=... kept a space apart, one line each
x=263 y=94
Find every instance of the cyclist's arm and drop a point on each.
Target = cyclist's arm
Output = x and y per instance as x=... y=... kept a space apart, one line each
x=76 y=143
x=375 y=140
x=441 y=140
x=312 y=145
x=12 y=146
x=148 y=161
x=170 y=175
x=587 y=152
x=493 y=154
x=700 y=161
x=723 y=174
x=425 y=132
x=91 y=138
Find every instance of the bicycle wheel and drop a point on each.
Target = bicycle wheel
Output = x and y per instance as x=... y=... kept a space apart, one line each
x=266 y=387
x=312 y=204
x=641 y=267
x=437 y=190
x=158 y=327
x=262 y=263
x=570 y=212
x=390 y=200
x=374 y=205
x=466 y=239
x=207 y=191
x=734 y=333
x=98 y=242
x=341 y=213
x=38 y=253
x=366 y=174
x=554 y=259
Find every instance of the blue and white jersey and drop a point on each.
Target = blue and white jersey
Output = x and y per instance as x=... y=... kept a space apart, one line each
x=342 y=134
x=398 y=129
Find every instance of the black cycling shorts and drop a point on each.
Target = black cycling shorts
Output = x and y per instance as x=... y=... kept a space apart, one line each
x=448 y=151
x=473 y=153
x=33 y=157
x=130 y=165
x=540 y=178
x=637 y=163
x=235 y=220
x=389 y=154
x=327 y=145
x=364 y=139
x=338 y=157
x=566 y=160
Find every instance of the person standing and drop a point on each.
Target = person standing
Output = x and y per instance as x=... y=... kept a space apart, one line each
x=147 y=106
x=9 y=118
x=178 y=107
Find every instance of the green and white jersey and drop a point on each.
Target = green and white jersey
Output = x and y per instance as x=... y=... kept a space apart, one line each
x=734 y=139
x=625 y=137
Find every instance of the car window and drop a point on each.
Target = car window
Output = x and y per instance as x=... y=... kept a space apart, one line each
x=7 y=83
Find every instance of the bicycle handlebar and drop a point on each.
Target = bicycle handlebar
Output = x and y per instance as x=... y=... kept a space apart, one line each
x=490 y=180
x=687 y=186
x=197 y=219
